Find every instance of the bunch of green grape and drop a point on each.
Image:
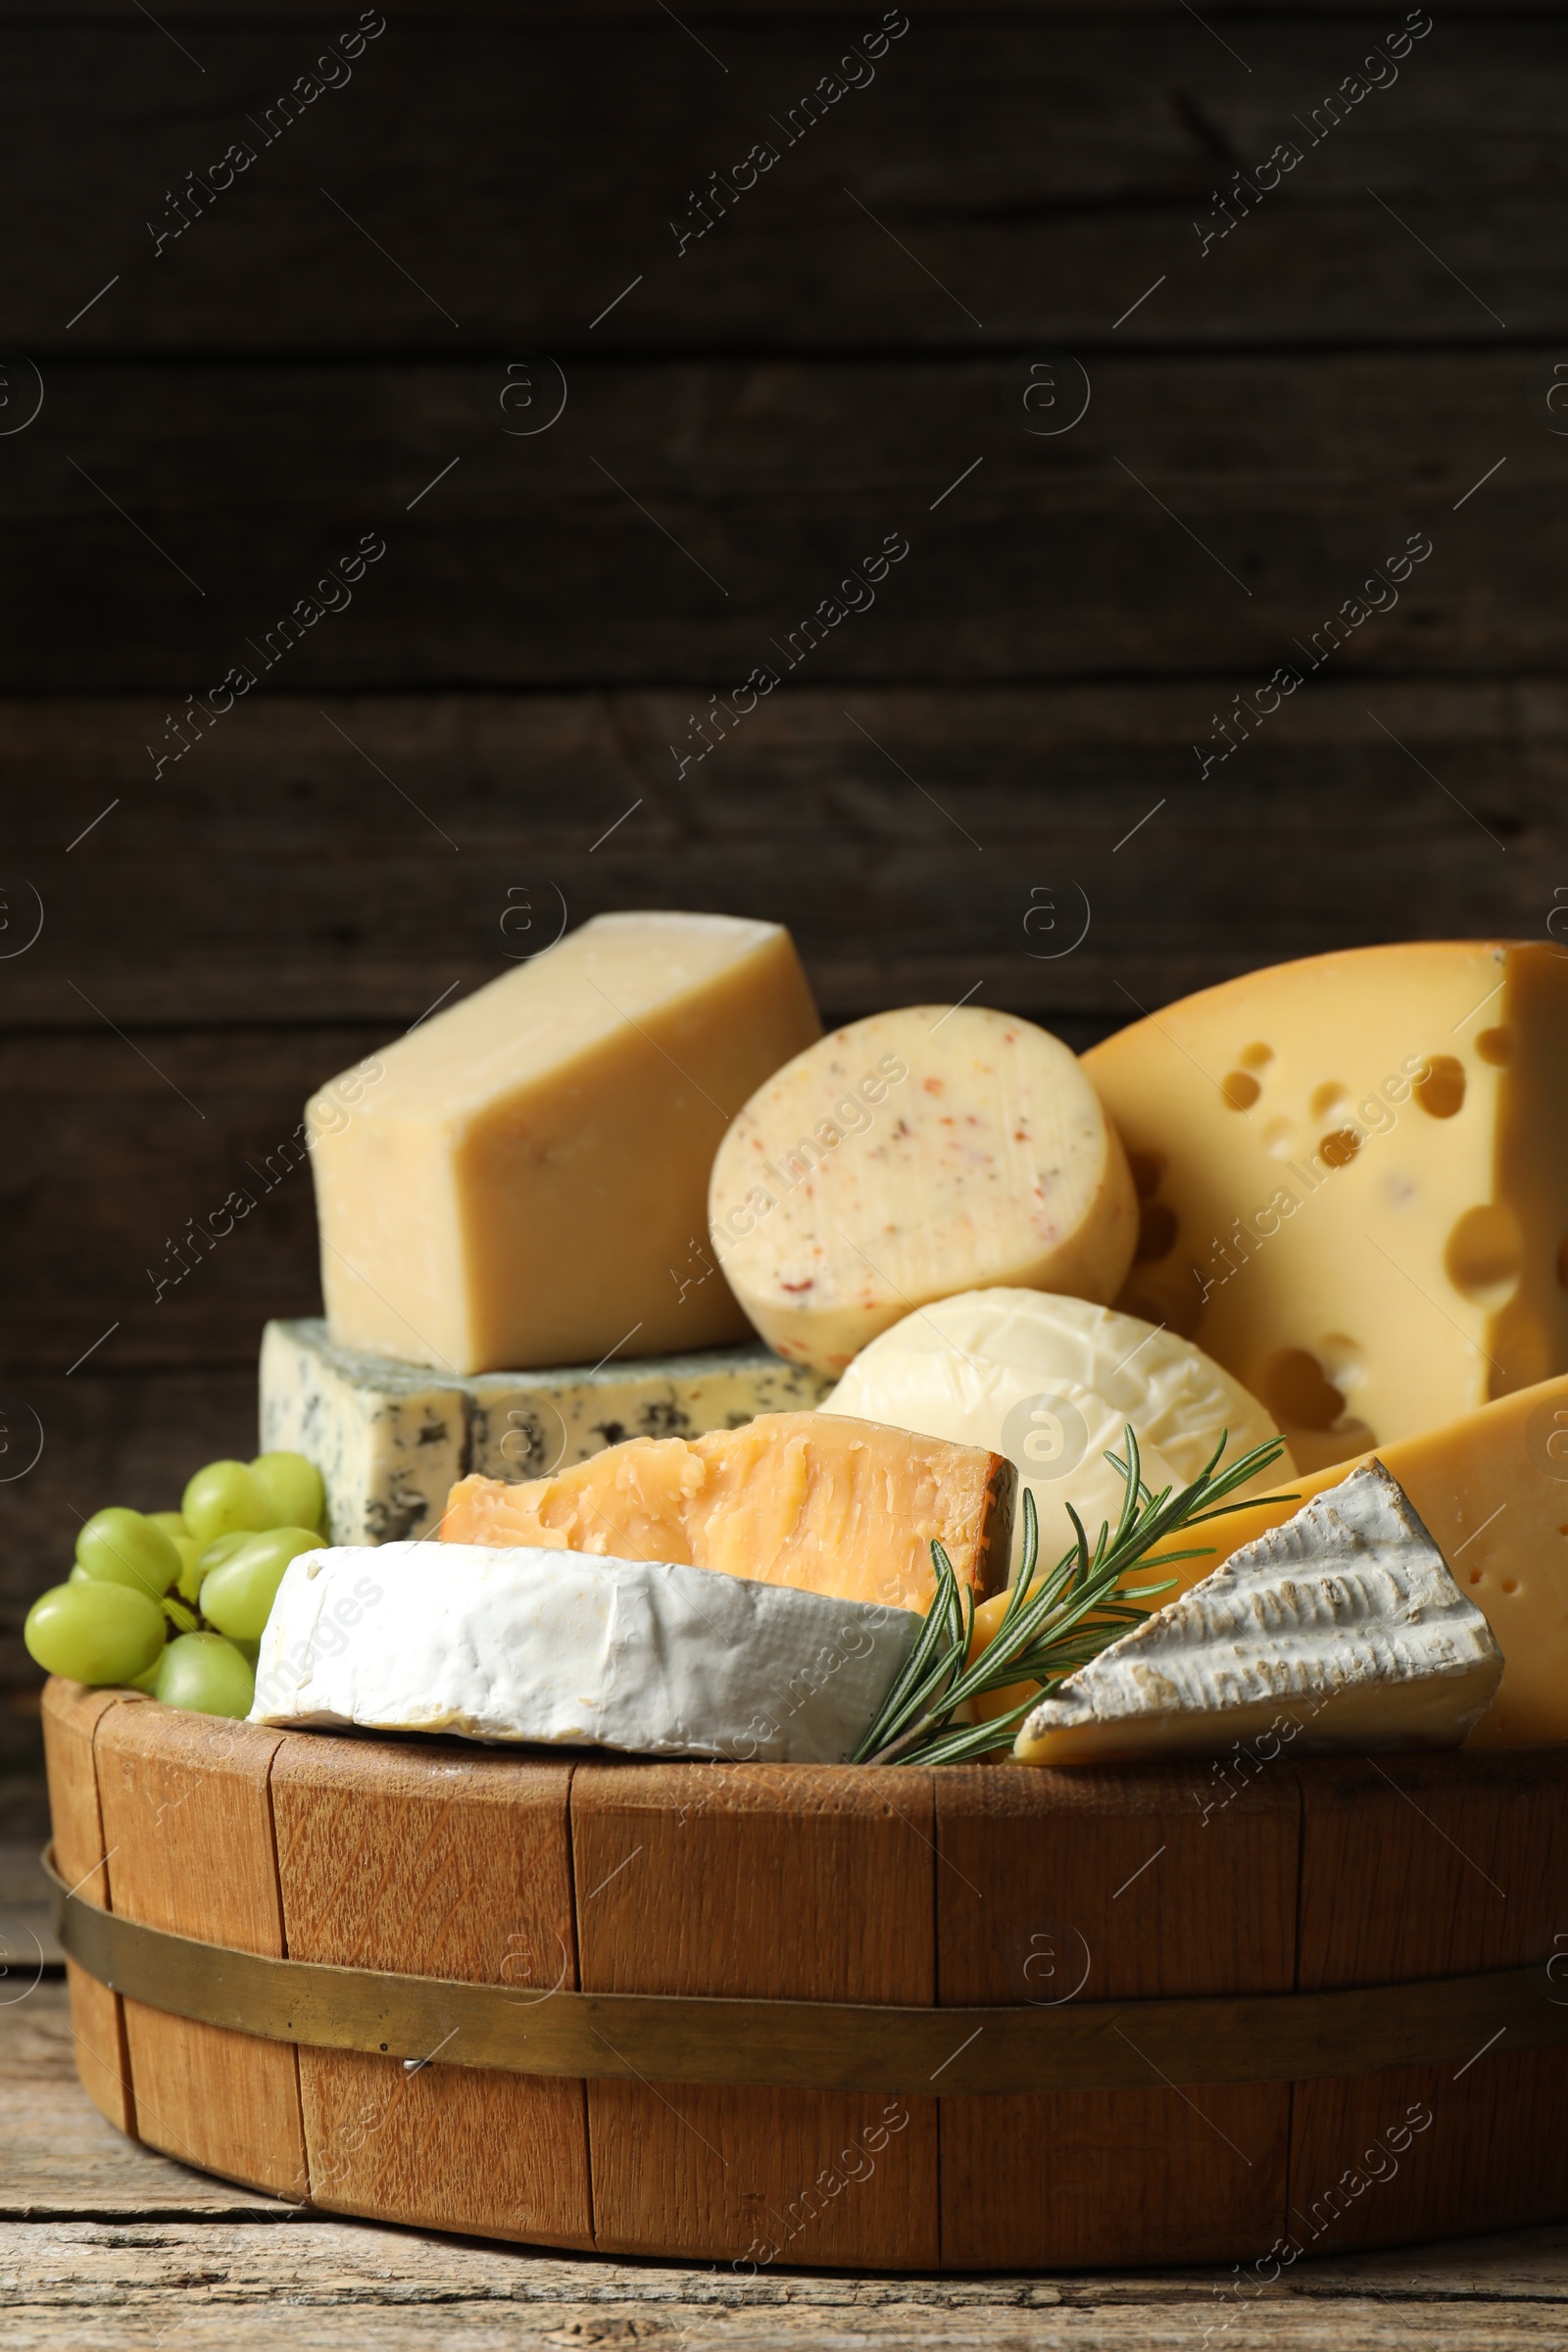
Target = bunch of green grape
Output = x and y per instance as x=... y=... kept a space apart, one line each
x=175 y=1602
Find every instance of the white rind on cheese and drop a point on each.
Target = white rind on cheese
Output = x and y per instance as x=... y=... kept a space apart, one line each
x=391 y=1439
x=1345 y=1621
x=574 y=1651
x=1053 y=1382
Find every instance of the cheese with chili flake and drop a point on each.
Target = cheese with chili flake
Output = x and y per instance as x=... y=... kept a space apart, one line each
x=910 y=1156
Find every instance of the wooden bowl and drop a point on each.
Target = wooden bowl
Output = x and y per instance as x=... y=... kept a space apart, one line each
x=935 y=1889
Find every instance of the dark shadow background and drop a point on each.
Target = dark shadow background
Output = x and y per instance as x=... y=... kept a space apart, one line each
x=990 y=781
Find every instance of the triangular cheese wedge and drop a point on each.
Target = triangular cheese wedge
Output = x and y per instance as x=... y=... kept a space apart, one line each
x=1343 y=1628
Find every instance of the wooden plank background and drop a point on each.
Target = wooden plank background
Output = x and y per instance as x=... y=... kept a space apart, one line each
x=992 y=758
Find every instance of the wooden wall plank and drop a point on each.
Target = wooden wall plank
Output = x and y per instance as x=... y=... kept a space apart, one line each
x=1416 y=1867
x=1163 y=534
x=71 y=1714
x=1028 y=167
x=435 y=1862
x=276 y=877
x=766 y=1883
x=1112 y=1885
x=189 y=1831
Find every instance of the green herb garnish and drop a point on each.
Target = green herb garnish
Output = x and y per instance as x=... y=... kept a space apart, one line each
x=1043 y=1634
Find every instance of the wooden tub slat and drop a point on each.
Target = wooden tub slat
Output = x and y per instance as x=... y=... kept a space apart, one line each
x=189 y=1827
x=438 y=1862
x=1049 y=1874
x=770 y=1884
x=71 y=1714
x=1428 y=1866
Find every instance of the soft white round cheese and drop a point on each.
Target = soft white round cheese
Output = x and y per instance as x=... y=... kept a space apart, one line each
x=1053 y=1383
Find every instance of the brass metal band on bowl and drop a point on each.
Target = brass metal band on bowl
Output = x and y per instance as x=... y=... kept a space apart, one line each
x=817 y=2046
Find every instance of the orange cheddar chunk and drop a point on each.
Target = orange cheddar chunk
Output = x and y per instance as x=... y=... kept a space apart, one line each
x=834 y=1505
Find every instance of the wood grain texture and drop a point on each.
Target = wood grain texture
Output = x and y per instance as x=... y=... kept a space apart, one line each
x=434 y=1862
x=105 y=2243
x=189 y=1831
x=685 y=517
x=1412 y=1868
x=1112 y=1884
x=769 y=1883
x=72 y=1715
x=60 y=2158
x=275 y=878
x=1045 y=169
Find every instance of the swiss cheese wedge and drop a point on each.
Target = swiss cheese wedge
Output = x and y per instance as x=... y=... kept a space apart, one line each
x=833 y=1505
x=1354 y=1182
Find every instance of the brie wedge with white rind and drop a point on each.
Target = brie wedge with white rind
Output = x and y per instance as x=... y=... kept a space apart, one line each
x=559 y=1647
x=1053 y=1382
x=1344 y=1621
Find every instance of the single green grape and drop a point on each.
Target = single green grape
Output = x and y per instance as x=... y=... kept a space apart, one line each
x=190 y=1572
x=205 y=1674
x=237 y=1595
x=222 y=1547
x=294 y=1486
x=226 y=1497
x=94 y=1631
x=172 y=1523
x=148 y=1679
x=121 y=1547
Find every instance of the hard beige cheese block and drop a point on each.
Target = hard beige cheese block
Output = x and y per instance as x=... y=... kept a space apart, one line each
x=909 y=1156
x=1354 y=1182
x=1492 y=1489
x=1341 y=1630
x=792 y=1499
x=524 y=1181
x=1053 y=1383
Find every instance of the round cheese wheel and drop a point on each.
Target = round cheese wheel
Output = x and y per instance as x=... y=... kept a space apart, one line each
x=908 y=1156
x=1053 y=1383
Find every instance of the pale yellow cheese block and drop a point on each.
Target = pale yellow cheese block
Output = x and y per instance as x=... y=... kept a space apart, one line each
x=523 y=1179
x=909 y=1156
x=833 y=1505
x=1492 y=1488
x=1354 y=1182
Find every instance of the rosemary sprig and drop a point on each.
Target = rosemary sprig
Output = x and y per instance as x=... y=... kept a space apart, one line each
x=1046 y=1631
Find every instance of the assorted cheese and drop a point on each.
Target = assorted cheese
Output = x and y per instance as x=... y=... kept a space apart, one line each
x=1053 y=1383
x=1341 y=1629
x=909 y=1156
x=523 y=1178
x=561 y=1647
x=391 y=1440
x=1492 y=1489
x=841 y=1507
x=1353 y=1175
x=1324 y=1206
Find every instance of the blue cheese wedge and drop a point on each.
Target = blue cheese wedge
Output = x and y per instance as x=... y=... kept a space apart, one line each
x=1342 y=1628
x=392 y=1439
x=577 y=1650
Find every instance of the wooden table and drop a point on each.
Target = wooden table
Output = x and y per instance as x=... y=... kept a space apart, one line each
x=104 y=2243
